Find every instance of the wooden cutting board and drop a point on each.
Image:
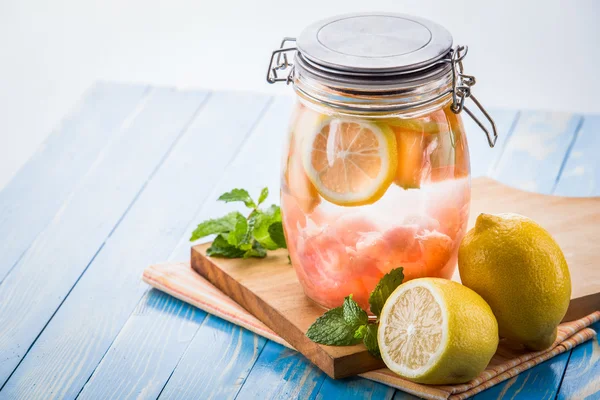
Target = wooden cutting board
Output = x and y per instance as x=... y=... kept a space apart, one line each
x=268 y=287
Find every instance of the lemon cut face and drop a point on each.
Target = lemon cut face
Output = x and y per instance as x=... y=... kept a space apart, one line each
x=413 y=330
x=350 y=162
x=437 y=332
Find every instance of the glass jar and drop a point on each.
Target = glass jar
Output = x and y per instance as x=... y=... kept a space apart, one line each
x=376 y=171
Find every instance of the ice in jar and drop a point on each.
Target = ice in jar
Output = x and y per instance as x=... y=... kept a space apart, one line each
x=363 y=196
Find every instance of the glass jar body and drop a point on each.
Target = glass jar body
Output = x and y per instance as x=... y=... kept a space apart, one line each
x=364 y=194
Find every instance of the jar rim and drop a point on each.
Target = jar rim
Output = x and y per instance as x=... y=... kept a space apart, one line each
x=415 y=93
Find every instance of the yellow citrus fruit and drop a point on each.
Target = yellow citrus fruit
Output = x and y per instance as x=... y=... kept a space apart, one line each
x=436 y=331
x=520 y=270
x=350 y=162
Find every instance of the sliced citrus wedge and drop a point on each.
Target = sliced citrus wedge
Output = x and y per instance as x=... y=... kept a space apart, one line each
x=350 y=163
x=436 y=331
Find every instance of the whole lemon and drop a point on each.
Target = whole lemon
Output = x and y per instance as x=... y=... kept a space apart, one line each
x=521 y=272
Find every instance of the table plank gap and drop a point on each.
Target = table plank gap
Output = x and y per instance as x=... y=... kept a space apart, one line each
x=568 y=153
x=581 y=173
x=532 y=157
x=281 y=373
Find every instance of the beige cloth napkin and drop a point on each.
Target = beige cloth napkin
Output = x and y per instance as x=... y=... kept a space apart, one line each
x=180 y=281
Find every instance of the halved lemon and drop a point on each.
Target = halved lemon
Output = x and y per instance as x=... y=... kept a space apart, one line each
x=350 y=163
x=437 y=331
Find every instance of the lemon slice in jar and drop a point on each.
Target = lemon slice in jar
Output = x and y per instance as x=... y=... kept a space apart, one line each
x=350 y=163
x=436 y=331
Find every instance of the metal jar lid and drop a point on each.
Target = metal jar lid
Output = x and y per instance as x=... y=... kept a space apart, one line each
x=374 y=43
x=372 y=51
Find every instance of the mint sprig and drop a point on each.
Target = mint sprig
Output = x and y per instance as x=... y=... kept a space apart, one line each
x=349 y=324
x=337 y=327
x=244 y=236
x=386 y=285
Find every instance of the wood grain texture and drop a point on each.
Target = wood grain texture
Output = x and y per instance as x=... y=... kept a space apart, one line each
x=150 y=230
x=533 y=156
x=281 y=373
x=400 y=395
x=228 y=134
x=36 y=287
x=268 y=288
x=156 y=334
x=581 y=173
x=540 y=382
x=35 y=194
x=354 y=389
x=582 y=376
x=533 y=160
x=216 y=363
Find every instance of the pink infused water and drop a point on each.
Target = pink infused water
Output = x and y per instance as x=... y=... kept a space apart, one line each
x=412 y=217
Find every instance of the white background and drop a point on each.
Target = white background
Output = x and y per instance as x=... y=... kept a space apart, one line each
x=525 y=54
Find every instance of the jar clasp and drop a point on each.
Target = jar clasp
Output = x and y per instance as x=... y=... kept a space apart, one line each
x=280 y=63
x=461 y=90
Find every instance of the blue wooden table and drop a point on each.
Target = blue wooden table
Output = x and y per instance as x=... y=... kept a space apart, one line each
x=121 y=183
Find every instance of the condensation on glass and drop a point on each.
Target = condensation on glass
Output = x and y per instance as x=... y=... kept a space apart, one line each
x=376 y=173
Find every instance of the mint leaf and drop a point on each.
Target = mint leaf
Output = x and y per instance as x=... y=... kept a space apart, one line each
x=238 y=195
x=353 y=314
x=263 y=195
x=239 y=234
x=218 y=225
x=370 y=340
x=360 y=332
x=331 y=329
x=276 y=234
x=262 y=221
x=388 y=283
x=256 y=251
x=220 y=247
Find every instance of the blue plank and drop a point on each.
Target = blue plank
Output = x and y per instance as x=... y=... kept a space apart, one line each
x=540 y=382
x=281 y=373
x=534 y=153
x=581 y=173
x=400 y=395
x=216 y=364
x=483 y=158
x=354 y=389
x=82 y=330
x=35 y=288
x=128 y=362
x=59 y=164
x=152 y=369
x=582 y=376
